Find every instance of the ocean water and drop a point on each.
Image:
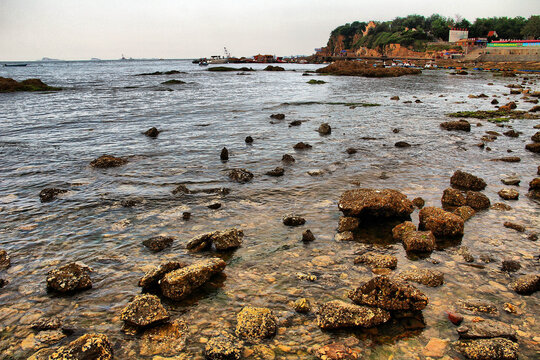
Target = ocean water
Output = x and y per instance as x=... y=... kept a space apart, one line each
x=48 y=140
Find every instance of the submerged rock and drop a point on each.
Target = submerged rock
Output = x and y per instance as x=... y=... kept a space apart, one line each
x=488 y=349
x=427 y=277
x=49 y=323
x=464 y=212
x=107 y=161
x=339 y=314
x=462 y=125
x=478 y=305
x=152 y=132
x=526 y=284
x=293 y=220
x=477 y=200
x=325 y=129
x=143 y=311
x=152 y=277
x=384 y=203
x=389 y=294
x=487 y=329
x=254 y=323
x=375 y=260
x=5 y=260
x=223 y=347
x=277 y=172
x=278 y=116
x=179 y=283
x=302 y=306
x=87 y=347
x=501 y=206
x=240 y=175
x=166 y=339
x=441 y=223
x=49 y=194
x=69 y=278
x=336 y=351
x=466 y=181
x=158 y=243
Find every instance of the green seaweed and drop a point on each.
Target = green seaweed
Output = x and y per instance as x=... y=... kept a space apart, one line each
x=493 y=114
x=316 y=82
x=300 y=103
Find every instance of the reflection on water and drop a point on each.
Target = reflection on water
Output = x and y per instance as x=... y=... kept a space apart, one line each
x=48 y=140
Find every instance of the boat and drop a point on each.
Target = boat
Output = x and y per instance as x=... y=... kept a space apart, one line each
x=203 y=63
x=15 y=65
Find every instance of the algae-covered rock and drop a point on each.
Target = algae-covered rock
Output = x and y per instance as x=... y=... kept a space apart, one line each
x=144 y=310
x=399 y=231
x=466 y=181
x=459 y=125
x=10 y=85
x=452 y=198
x=427 y=277
x=152 y=277
x=70 y=277
x=388 y=294
x=441 y=223
x=87 y=347
x=488 y=349
x=223 y=347
x=254 y=323
x=166 y=339
x=339 y=314
x=419 y=241
x=158 y=243
x=181 y=282
x=383 y=203
x=477 y=200
x=527 y=284
x=375 y=260
x=302 y=306
x=107 y=161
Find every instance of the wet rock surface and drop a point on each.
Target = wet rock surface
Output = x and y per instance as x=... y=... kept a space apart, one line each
x=50 y=194
x=419 y=241
x=486 y=329
x=508 y=194
x=375 y=260
x=167 y=339
x=307 y=236
x=526 y=284
x=488 y=349
x=302 y=146
x=143 y=311
x=325 y=129
x=277 y=172
x=69 y=278
x=514 y=226
x=152 y=276
x=385 y=203
x=222 y=240
x=240 y=175
x=389 y=294
x=460 y=125
x=293 y=220
x=223 y=347
x=464 y=212
x=348 y=224
x=158 y=243
x=152 y=132
x=466 y=181
x=5 y=260
x=478 y=306
x=302 y=306
x=441 y=223
x=427 y=277
x=108 y=161
x=253 y=323
x=477 y=200
x=339 y=314
x=89 y=346
x=179 y=283
x=452 y=198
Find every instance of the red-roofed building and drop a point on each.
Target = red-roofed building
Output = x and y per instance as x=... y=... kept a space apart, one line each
x=492 y=34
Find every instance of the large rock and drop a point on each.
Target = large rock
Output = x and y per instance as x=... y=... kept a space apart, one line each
x=152 y=277
x=488 y=349
x=240 y=175
x=166 y=339
x=462 y=125
x=339 y=314
x=87 y=347
x=223 y=347
x=389 y=294
x=441 y=223
x=384 y=203
x=419 y=241
x=143 y=311
x=69 y=278
x=527 y=284
x=49 y=194
x=254 y=323
x=466 y=181
x=375 y=260
x=107 y=161
x=222 y=240
x=477 y=200
x=452 y=198
x=181 y=282
x=431 y=278
x=5 y=261
x=486 y=329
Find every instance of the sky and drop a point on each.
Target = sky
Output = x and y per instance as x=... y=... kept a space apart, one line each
x=173 y=29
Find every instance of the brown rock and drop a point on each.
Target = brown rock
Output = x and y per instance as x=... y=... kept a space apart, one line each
x=307 y=236
x=166 y=339
x=452 y=198
x=464 y=212
x=514 y=226
x=143 y=311
x=325 y=129
x=348 y=224
x=431 y=278
x=418 y=202
x=399 y=231
x=152 y=277
x=254 y=323
x=384 y=293
x=223 y=347
x=224 y=156
x=462 y=125
x=339 y=314
x=302 y=306
x=526 y=284
x=277 y=172
x=488 y=349
x=466 y=181
x=302 y=146
x=477 y=200
x=69 y=278
x=419 y=241
x=288 y=158
x=501 y=206
x=336 y=351
x=152 y=132
x=536 y=136
x=5 y=261
x=293 y=220
x=179 y=283
x=441 y=223
x=508 y=194
x=435 y=348
x=533 y=147
x=486 y=329
x=478 y=306
x=240 y=175
x=375 y=260
x=158 y=243
x=278 y=116
x=384 y=203
x=87 y=347
x=49 y=194
x=107 y=161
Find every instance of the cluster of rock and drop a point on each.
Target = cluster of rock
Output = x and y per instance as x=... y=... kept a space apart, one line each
x=222 y=240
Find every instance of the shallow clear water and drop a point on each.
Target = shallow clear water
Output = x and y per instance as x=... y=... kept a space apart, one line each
x=48 y=139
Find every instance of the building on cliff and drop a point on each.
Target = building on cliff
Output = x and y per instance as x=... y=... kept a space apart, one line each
x=457 y=34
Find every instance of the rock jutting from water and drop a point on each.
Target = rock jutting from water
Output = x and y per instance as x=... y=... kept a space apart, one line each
x=419 y=241
x=10 y=85
x=50 y=194
x=302 y=306
x=526 y=284
x=241 y=176
x=477 y=200
x=179 y=283
x=224 y=155
x=339 y=314
x=464 y=212
x=509 y=194
x=357 y=68
x=5 y=260
x=69 y=278
x=277 y=172
x=441 y=223
x=107 y=161
x=461 y=125
x=293 y=220
x=389 y=294
x=151 y=277
x=153 y=132
x=325 y=129
x=384 y=203
x=89 y=346
x=144 y=310
x=158 y=243
x=222 y=240
x=223 y=347
x=253 y=323
x=465 y=181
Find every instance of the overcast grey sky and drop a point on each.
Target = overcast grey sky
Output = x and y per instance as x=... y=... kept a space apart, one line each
x=81 y=29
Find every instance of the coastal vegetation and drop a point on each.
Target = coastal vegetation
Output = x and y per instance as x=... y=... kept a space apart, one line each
x=10 y=85
x=355 y=68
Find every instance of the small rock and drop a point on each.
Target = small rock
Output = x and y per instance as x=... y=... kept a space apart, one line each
x=462 y=125
x=452 y=198
x=402 y=144
x=536 y=136
x=375 y=260
x=511 y=180
x=279 y=171
x=249 y=140
x=431 y=278
x=351 y=151
x=166 y=339
x=143 y=311
x=107 y=161
x=181 y=189
x=526 y=284
x=510 y=265
x=49 y=194
x=441 y=223
x=302 y=306
x=288 y=158
x=514 y=226
x=47 y=323
x=336 y=351
x=501 y=206
x=69 y=278
x=254 y=323
x=464 y=212
x=278 y=116
x=240 y=175
x=477 y=200
x=5 y=260
x=224 y=156
x=302 y=146
x=484 y=349
x=223 y=347
x=435 y=348
x=293 y=220
x=295 y=123
x=466 y=254
x=487 y=329
x=186 y=215
x=158 y=243
x=344 y=236
x=152 y=132
x=418 y=202
x=534 y=147
x=508 y=194
x=307 y=236
x=512 y=133
x=152 y=277
x=419 y=241
x=454 y=318
x=478 y=305
x=508 y=159
x=89 y=346
x=222 y=240
x=494 y=102
x=384 y=203
x=325 y=129
x=394 y=98
x=399 y=231
x=214 y=206
x=339 y=314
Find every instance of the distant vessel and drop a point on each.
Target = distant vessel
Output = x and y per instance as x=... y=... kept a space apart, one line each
x=124 y=58
x=15 y=65
x=49 y=59
x=95 y=59
x=216 y=59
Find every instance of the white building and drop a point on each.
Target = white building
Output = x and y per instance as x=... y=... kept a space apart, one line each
x=458 y=34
